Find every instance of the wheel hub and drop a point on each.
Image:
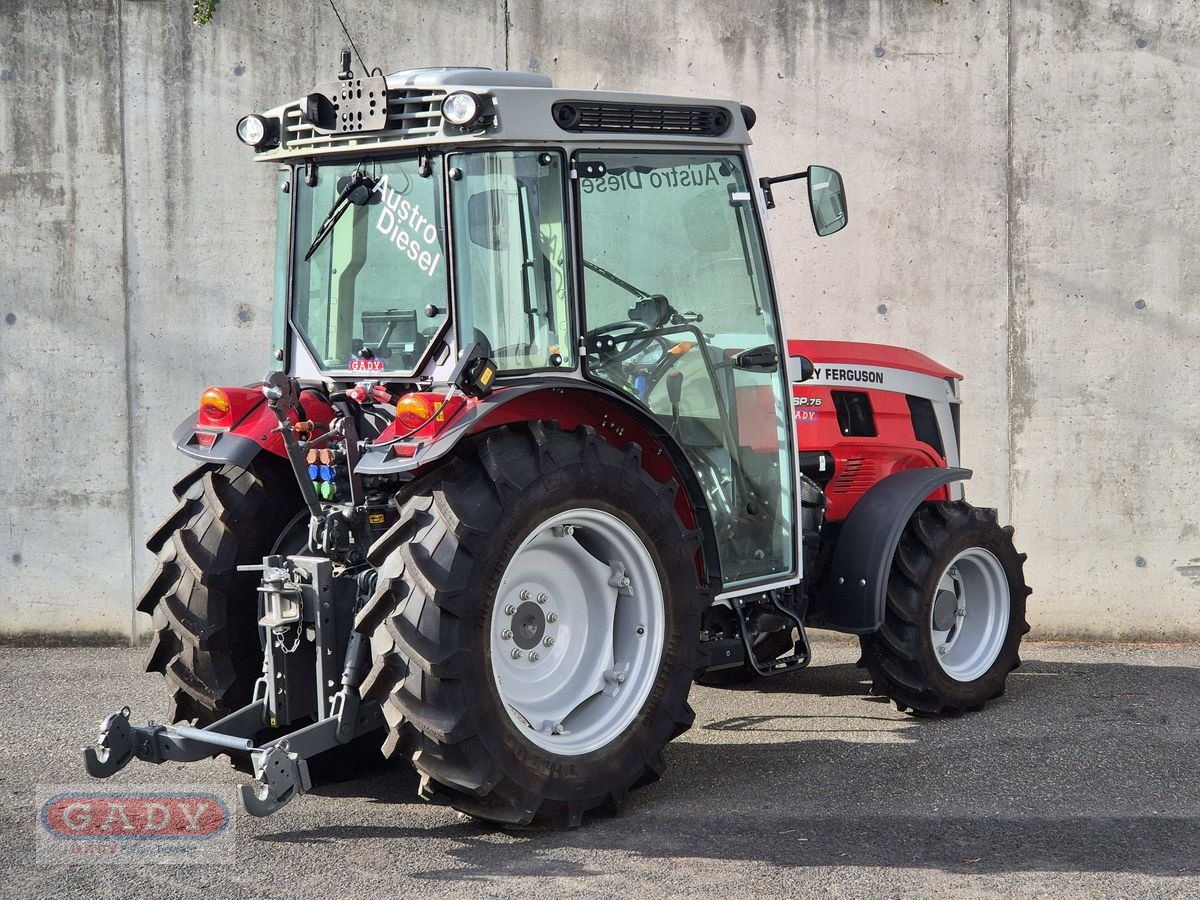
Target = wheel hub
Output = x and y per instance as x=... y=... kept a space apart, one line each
x=943 y=610
x=528 y=626
x=969 y=616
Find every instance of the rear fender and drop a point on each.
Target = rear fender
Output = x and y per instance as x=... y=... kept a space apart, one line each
x=852 y=594
x=570 y=403
x=252 y=432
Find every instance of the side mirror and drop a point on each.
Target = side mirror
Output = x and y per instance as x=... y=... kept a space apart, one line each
x=758 y=359
x=826 y=199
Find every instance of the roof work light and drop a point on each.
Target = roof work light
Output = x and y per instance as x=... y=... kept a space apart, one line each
x=466 y=110
x=258 y=131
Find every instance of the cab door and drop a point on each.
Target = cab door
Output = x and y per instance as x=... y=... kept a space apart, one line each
x=679 y=317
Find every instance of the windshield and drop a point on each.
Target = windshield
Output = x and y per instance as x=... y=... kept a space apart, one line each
x=372 y=297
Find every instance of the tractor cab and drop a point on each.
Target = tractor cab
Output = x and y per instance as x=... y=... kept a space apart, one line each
x=591 y=242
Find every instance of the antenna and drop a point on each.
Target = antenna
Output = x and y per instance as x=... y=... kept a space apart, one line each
x=345 y=73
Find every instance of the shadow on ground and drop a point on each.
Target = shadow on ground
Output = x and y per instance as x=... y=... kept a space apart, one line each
x=1081 y=767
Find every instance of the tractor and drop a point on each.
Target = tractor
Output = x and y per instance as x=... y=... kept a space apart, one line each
x=534 y=456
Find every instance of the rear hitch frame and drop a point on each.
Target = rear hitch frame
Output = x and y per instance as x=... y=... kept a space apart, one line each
x=322 y=628
x=280 y=765
x=120 y=742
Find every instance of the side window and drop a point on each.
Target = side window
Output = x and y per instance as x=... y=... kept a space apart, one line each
x=675 y=289
x=510 y=267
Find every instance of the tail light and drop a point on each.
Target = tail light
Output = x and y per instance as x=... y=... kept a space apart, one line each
x=423 y=414
x=215 y=409
x=414 y=410
x=221 y=408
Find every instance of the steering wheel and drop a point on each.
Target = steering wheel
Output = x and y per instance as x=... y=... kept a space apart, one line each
x=627 y=331
x=615 y=328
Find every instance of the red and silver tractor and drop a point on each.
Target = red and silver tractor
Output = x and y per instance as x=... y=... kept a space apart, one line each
x=534 y=456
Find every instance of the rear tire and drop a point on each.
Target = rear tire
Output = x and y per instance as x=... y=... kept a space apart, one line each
x=955 y=612
x=206 y=641
x=529 y=523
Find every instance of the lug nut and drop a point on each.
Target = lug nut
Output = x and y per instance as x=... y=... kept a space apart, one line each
x=549 y=642
x=542 y=598
x=552 y=618
x=516 y=653
x=620 y=678
x=534 y=656
x=506 y=634
x=942 y=650
x=568 y=530
x=525 y=595
x=510 y=610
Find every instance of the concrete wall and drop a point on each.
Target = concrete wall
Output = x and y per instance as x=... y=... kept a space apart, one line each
x=1024 y=207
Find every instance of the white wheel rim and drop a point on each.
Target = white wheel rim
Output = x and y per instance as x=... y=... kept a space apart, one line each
x=577 y=631
x=969 y=617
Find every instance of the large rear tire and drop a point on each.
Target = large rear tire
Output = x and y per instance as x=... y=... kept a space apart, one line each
x=536 y=626
x=955 y=612
x=206 y=641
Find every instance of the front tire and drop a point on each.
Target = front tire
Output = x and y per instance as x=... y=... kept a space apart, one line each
x=536 y=627
x=955 y=612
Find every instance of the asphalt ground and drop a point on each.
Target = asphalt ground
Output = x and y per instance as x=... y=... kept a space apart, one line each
x=1082 y=781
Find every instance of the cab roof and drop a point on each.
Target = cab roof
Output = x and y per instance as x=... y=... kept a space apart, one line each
x=524 y=107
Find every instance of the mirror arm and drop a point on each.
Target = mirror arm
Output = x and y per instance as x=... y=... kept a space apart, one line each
x=765 y=183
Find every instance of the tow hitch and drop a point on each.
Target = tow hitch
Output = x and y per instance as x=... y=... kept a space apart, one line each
x=307 y=617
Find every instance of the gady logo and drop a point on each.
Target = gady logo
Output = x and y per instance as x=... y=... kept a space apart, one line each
x=165 y=816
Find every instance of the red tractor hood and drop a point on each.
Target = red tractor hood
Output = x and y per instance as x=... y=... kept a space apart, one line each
x=880 y=355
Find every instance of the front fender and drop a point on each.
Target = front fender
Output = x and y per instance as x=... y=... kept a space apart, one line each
x=852 y=595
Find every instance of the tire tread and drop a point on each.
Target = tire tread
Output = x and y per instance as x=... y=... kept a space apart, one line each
x=204 y=643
